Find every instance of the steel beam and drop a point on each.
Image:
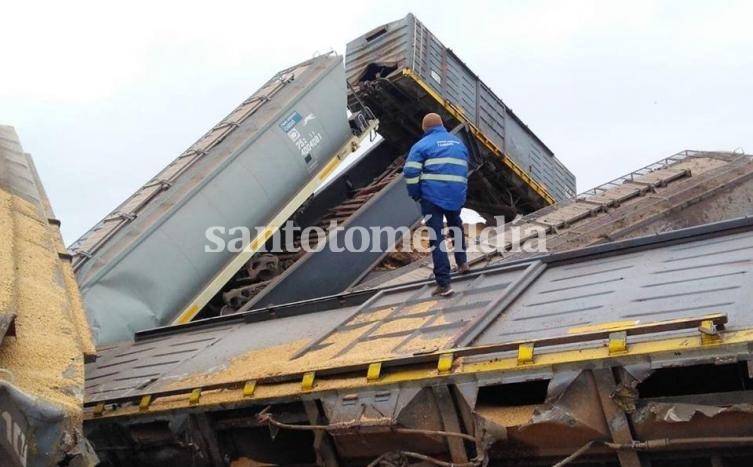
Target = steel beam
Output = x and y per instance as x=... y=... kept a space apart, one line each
x=325 y=451
x=616 y=419
x=451 y=423
x=207 y=438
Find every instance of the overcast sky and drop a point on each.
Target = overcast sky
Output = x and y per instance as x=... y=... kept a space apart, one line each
x=104 y=96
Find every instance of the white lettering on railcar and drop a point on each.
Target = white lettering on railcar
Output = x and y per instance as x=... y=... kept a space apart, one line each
x=308 y=143
x=16 y=438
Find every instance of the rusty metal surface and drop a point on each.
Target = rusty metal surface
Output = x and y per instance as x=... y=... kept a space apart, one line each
x=619 y=209
x=330 y=269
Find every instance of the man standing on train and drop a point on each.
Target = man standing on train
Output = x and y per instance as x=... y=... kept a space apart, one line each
x=436 y=173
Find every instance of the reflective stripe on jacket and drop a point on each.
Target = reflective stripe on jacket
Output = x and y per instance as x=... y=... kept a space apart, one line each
x=437 y=169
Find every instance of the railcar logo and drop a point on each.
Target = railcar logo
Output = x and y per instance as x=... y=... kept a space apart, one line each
x=290 y=121
x=304 y=142
x=294 y=135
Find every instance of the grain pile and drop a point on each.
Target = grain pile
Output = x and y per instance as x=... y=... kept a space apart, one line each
x=76 y=304
x=507 y=416
x=347 y=345
x=7 y=263
x=269 y=361
x=698 y=165
x=45 y=357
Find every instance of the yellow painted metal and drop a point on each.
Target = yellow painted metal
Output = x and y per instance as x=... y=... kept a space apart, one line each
x=709 y=333
x=654 y=348
x=307 y=382
x=188 y=315
x=374 y=371
x=525 y=354
x=261 y=239
x=613 y=326
x=710 y=340
x=331 y=165
x=211 y=289
x=597 y=353
x=459 y=115
x=249 y=388
x=195 y=397
x=444 y=364
x=145 y=402
x=617 y=342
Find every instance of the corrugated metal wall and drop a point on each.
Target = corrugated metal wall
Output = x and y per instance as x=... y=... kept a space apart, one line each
x=407 y=43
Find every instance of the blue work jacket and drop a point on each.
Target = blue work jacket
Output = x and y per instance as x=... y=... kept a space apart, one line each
x=437 y=169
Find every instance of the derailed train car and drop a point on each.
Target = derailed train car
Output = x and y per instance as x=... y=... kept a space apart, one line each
x=621 y=353
x=145 y=264
x=44 y=337
x=403 y=58
x=491 y=375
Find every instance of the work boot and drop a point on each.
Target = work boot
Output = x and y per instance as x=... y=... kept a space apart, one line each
x=442 y=291
x=464 y=269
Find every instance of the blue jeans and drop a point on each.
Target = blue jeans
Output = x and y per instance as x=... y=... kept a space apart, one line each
x=434 y=216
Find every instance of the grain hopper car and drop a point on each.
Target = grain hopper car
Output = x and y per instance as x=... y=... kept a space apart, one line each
x=44 y=337
x=254 y=169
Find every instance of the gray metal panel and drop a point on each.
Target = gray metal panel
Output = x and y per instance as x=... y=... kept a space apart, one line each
x=537 y=159
x=682 y=281
x=407 y=43
x=399 y=322
x=35 y=429
x=662 y=281
x=120 y=371
x=16 y=170
x=328 y=272
x=408 y=320
x=492 y=115
x=146 y=268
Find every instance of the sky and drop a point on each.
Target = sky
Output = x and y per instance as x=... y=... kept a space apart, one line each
x=104 y=95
